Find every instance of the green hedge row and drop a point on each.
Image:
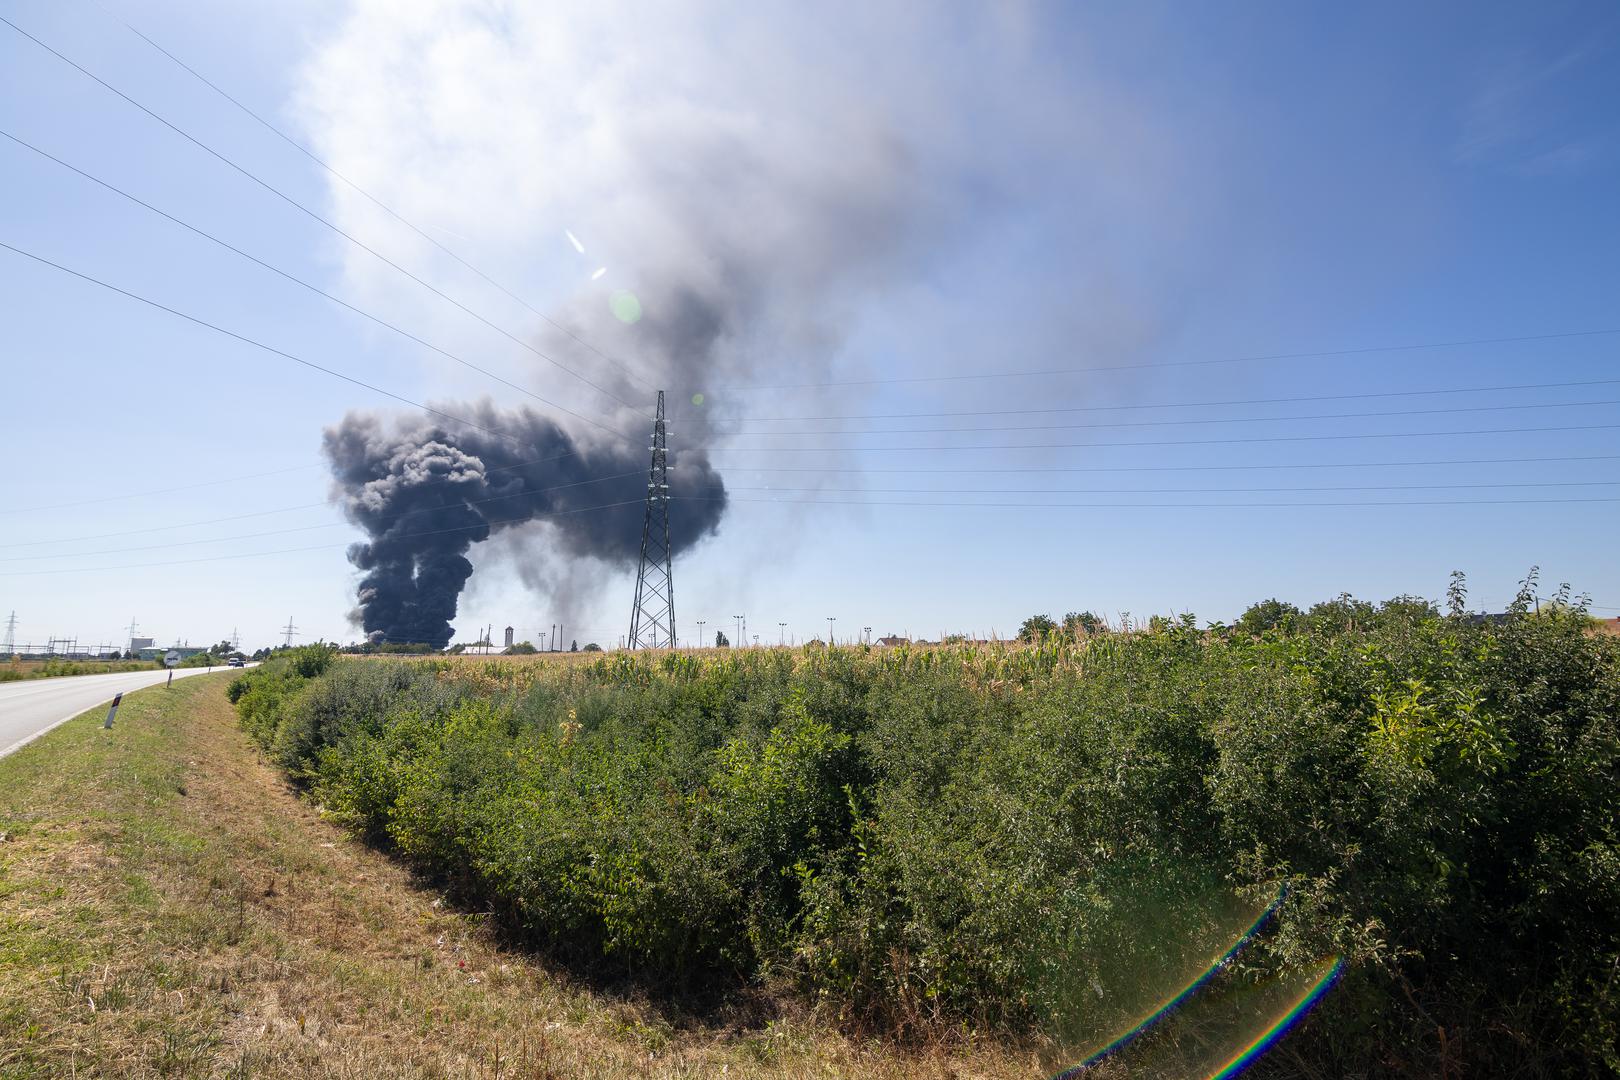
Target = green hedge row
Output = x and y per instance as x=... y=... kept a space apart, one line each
x=1041 y=837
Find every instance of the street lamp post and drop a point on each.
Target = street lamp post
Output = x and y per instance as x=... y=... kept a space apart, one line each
x=701 y=624
x=866 y=631
x=830 y=620
x=741 y=641
x=781 y=633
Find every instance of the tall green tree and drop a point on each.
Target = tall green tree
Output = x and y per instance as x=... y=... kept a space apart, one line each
x=1037 y=627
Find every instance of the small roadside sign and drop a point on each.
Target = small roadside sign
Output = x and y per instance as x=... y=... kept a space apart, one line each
x=171 y=659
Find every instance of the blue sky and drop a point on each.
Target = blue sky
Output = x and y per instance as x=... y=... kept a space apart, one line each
x=908 y=197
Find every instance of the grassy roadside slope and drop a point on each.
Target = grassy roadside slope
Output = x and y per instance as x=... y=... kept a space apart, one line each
x=169 y=908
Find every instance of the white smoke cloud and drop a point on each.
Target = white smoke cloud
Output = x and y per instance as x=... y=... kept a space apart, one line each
x=765 y=179
x=756 y=174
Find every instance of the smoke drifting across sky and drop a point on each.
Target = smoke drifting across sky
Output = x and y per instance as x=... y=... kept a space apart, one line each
x=756 y=180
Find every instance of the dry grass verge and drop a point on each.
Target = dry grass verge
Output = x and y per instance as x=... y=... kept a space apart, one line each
x=169 y=908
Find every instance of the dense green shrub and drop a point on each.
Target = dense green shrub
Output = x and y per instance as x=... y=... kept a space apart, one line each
x=1035 y=835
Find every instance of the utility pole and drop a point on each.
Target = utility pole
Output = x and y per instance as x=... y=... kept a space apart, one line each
x=741 y=641
x=11 y=635
x=866 y=632
x=701 y=625
x=830 y=620
x=289 y=630
x=781 y=633
x=652 y=618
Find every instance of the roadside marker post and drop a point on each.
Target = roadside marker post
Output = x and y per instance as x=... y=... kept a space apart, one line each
x=112 y=712
x=170 y=683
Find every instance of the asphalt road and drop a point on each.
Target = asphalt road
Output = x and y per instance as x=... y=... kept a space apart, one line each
x=30 y=708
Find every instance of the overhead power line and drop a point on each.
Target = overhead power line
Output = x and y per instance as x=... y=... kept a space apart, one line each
x=1154 y=506
x=1559 y=459
x=962 y=505
x=1317 y=354
x=312 y=528
x=158 y=491
x=259 y=344
x=320 y=547
x=384 y=207
x=698 y=416
x=1174 y=491
x=377 y=319
x=316 y=216
x=301 y=506
x=1002 y=470
x=1150 y=442
x=1184 y=422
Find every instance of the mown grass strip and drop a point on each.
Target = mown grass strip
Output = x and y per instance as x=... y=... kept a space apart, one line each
x=168 y=907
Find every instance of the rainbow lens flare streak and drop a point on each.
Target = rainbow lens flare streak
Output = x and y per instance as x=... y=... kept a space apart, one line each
x=1286 y=1023
x=1165 y=1010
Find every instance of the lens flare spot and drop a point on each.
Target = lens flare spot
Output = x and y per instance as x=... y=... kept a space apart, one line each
x=572 y=239
x=625 y=307
x=697 y=399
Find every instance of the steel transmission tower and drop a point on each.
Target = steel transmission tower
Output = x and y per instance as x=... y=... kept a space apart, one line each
x=652 y=619
x=11 y=635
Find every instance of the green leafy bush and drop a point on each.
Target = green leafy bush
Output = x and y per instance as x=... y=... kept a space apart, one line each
x=1034 y=835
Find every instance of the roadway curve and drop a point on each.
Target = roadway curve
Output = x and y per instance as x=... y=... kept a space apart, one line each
x=31 y=707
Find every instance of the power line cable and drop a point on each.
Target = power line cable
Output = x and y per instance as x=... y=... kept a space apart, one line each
x=289 y=200
x=1001 y=470
x=1184 y=422
x=256 y=344
x=1066 y=469
x=316 y=547
x=1176 y=491
x=384 y=207
x=1154 y=506
x=773 y=488
x=1318 y=354
x=1148 y=442
x=963 y=505
x=288 y=509
x=1157 y=405
x=312 y=288
x=322 y=525
x=159 y=491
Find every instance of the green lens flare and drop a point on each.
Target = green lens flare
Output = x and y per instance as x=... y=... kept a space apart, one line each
x=697 y=399
x=626 y=308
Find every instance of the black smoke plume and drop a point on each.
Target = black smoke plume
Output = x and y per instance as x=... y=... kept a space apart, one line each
x=426 y=491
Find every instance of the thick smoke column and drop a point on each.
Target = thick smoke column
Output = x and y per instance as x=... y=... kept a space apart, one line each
x=425 y=492
x=703 y=201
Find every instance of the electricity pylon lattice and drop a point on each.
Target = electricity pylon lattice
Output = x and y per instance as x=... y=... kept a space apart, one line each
x=652 y=619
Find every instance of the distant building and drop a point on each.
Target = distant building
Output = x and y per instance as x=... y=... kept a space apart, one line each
x=136 y=644
x=892 y=641
x=509 y=631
